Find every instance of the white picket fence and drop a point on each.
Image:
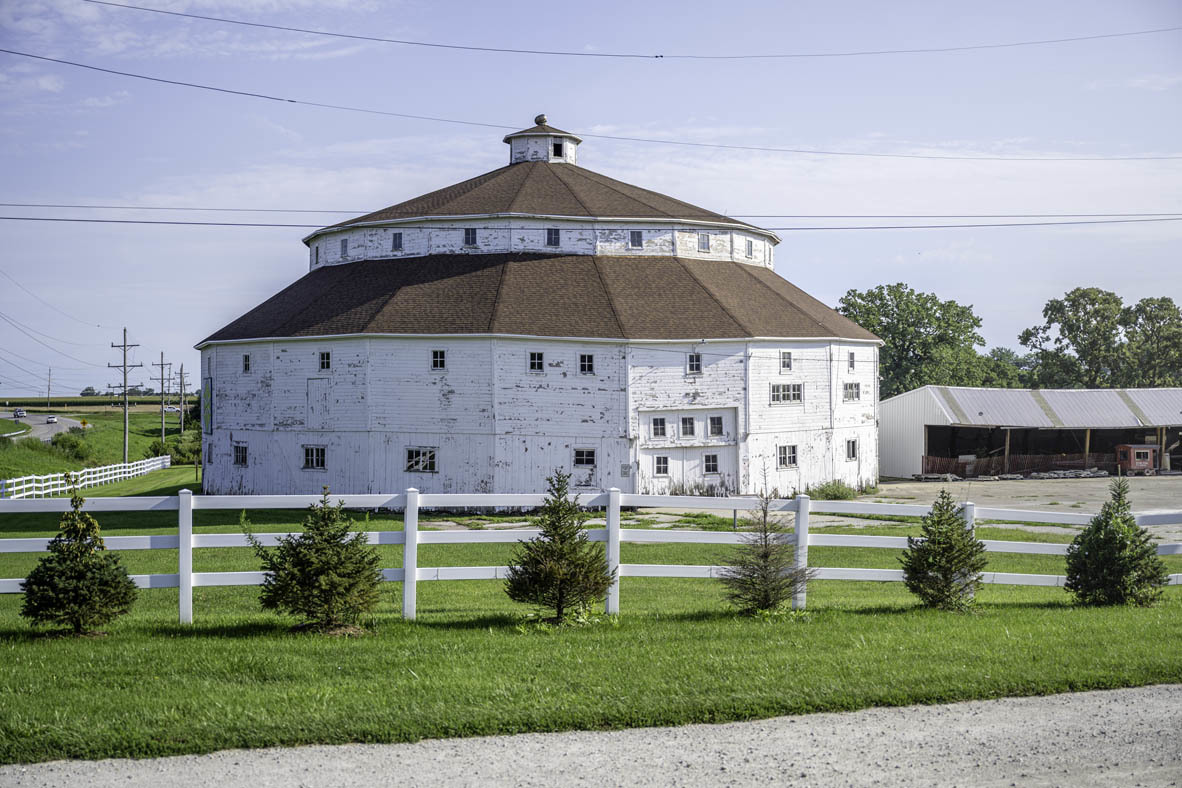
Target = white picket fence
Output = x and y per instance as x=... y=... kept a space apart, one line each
x=54 y=484
x=185 y=541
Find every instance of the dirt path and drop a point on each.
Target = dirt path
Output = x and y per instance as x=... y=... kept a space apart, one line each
x=1121 y=737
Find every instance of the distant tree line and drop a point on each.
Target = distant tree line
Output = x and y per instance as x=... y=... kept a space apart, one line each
x=1089 y=339
x=132 y=391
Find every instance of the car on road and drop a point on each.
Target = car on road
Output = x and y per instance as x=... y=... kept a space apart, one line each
x=172 y=409
x=51 y=419
x=19 y=413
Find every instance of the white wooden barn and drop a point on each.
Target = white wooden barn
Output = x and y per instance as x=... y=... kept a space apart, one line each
x=539 y=316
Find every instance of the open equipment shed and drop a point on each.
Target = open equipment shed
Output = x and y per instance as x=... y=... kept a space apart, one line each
x=985 y=431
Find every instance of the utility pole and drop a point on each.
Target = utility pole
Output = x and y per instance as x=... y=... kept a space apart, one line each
x=163 y=390
x=48 y=388
x=125 y=367
x=181 y=377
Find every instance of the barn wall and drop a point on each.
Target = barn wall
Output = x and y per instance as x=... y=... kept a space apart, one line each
x=901 y=430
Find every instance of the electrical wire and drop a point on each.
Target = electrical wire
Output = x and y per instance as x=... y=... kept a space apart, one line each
x=46 y=303
x=617 y=138
x=634 y=55
x=778 y=229
x=47 y=336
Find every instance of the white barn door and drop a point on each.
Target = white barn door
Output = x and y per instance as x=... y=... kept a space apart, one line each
x=317 y=418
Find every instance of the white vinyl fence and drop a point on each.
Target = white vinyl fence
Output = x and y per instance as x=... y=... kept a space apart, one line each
x=412 y=502
x=59 y=484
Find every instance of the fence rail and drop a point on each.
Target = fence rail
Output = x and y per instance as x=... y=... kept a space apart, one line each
x=59 y=483
x=185 y=541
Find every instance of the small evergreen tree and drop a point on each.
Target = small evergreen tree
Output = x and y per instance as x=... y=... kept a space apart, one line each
x=79 y=584
x=1113 y=561
x=325 y=576
x=943 y=568
x=560 y=569
x=761 y=575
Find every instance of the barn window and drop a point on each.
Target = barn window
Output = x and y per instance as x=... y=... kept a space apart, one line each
x=438 y=359
x=537 y=362
x=851 y=392
x=469 y=236
x=420 y=459
x=396 y=242
x=851 y=361
x=245 y=363
x=658 y=427
x=687 y=425
x=662 y=468
x=786 y=456
x=558 y=149
x=694 y=363
x=325 y=359
x=851 y=449
x=715 y=425
x=584 y=458
x=314 y=458
x=787 y=392
x=785 y=361
x=586 y=364
x=703 y=242
x=240 y=454
x=553 y=236
x=317 y=254
x=635 y=239
x=750 y=248
x=344 y=247
x=711 y=463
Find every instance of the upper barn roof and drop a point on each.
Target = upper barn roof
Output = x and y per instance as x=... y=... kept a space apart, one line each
x=543 y=295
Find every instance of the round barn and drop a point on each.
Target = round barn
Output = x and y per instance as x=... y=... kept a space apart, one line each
x=538 y=317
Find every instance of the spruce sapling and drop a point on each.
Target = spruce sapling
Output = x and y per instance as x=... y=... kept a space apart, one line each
x=943 y=568
x=761 y=575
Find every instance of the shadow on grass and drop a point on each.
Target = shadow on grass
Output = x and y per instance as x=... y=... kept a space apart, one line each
x=978 y=608
x=488 y=621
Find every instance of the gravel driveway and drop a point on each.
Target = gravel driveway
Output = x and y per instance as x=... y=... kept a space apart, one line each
x=1114 y=738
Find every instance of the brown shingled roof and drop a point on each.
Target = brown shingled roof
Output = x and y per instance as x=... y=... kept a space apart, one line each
x=541 y=128
x=543 y=295
x=539 y=187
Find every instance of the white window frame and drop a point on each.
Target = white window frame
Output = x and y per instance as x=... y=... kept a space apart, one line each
x=438 y=360
x=851 y=361
x=785 y=355
x=245 y=455
x=587 y=454
x=422 y=459
x=851 y=444
x=396 y=242
x=851 y=392
x=704 y=242
x=586 y=363
x=750 y=249
x=325 y=359
x=706 y=461
x=553 y=236
x=658 y=462
x=710 y=422
x=315 y=457
x=245 y=363
x=664 y=427
x=786 y=456
x=690 y=421
x=693 y=363
x=470 y=232
x=633 y=237
x=540 y=360
x=787 y=394
x=344 y=247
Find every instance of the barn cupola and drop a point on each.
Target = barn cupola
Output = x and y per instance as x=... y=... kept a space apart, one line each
x=542 y=142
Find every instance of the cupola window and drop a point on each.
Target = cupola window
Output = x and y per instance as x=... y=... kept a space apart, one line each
x=470 y=236
x=635 y=239
x=703 y=242
x=396 y=242
x=344 y=247
x=553 y=236
x=558 y=149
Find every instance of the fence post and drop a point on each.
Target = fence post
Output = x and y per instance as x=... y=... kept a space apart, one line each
x=611 y=605
x=802 y=547
x=410 y=554
x=185 y=554
x=970 y=516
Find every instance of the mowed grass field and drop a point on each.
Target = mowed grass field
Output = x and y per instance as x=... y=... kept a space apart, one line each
x=472 y=664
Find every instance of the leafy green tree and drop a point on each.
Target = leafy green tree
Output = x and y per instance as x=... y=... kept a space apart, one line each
x=1080 y=343
x=1153 y=331
x=1113 y=561
x=79 y=584
x=327 y=576
x=561 y=569
x=943 y=567
x=761 y=575
x=88 y=392
x=926 y=338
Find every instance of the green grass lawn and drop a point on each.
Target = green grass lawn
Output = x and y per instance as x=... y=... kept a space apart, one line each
x=8 y=426
x=104 y=436
x=470 y=666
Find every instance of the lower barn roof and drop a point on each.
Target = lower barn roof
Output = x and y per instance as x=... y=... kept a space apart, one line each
x=1054 y=408
x=543 y=295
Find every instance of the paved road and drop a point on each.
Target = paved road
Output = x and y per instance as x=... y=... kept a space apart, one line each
x=1115 y=738
x=38 y=427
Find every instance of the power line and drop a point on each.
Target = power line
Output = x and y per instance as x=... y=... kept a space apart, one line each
x=634 y=55
x=43 y=301
x=39 y=342
x=47 y=336
x=745 y=215
x=617 y=138
x=845 y=227
x=11 y=352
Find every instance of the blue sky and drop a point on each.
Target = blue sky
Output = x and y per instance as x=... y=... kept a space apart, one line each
x=74 y=136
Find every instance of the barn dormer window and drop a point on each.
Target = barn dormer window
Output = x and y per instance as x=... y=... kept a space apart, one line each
x=635 y=239
x=469 y=236
x=703 y=242
x=553 y=236
x=396 y=242
x=558 y=149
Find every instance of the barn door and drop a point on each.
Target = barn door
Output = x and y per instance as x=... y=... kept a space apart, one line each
x=317 y=418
